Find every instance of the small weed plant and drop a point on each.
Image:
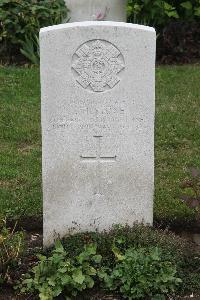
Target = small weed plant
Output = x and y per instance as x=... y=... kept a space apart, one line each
x=11 y=247
x=58 y=274
x=192 y=191
x=141 y=273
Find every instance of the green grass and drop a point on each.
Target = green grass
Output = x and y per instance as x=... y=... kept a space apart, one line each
x=20 y=142
x=177 y=140
x=177 y=137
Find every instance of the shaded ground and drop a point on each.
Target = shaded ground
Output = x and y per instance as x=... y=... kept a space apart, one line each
x=93 y=296
x=96 y=296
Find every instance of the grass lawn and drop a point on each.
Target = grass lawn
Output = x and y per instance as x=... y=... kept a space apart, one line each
x=20 y=142
x=177 y=138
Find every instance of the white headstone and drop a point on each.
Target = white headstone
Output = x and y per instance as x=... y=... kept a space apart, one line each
x=96 y=10
x=97 y=82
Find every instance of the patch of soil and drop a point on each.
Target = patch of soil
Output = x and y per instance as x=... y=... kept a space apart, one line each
x=9 y=294
x=178 y=226
x=29 y=224
x=13 y=58
x=33 y=241
x=98 y=295
x=94 y=295
x=35 y=224
x=191 y=297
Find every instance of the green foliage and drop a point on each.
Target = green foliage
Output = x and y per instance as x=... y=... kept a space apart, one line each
x=190 y=9
x=126 y=237
x=11 y=247
x=21 y=21
x=188 y=270
x=174 y=249
x=58 y=273
x=159 y=13
x=152 y=13
x=131 y=260
x=30 y=49
x=141 y=273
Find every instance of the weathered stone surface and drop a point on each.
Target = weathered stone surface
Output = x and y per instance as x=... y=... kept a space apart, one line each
x=97 y=84
x=97 y=10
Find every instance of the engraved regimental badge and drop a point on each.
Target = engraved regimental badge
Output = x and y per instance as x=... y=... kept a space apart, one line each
x=97 y=65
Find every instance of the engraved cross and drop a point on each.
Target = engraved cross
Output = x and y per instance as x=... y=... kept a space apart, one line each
x=99 y=159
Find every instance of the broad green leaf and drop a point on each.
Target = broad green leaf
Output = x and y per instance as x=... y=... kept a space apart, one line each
x=51 y=282
x=78 y=276
x=168 y=6
x=117 y=253
x=187 y=5
x=91 y=249
x=97 y=258
x=158 y=297
x=172 y=14
x=197 y=11
x=89 y=281
x=57 y=291
x=155 y=254
x=65 y=279
x=45 y=297
x=41 y=257
x=58 y=246
x=102 y=273
x=62 y=270
x=91 y=271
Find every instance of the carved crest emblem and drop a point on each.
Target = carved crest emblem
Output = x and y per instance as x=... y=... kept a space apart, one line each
x=97 y=64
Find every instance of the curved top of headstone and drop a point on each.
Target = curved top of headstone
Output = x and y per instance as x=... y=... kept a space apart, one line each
x=95 y=24
x=97 y=10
